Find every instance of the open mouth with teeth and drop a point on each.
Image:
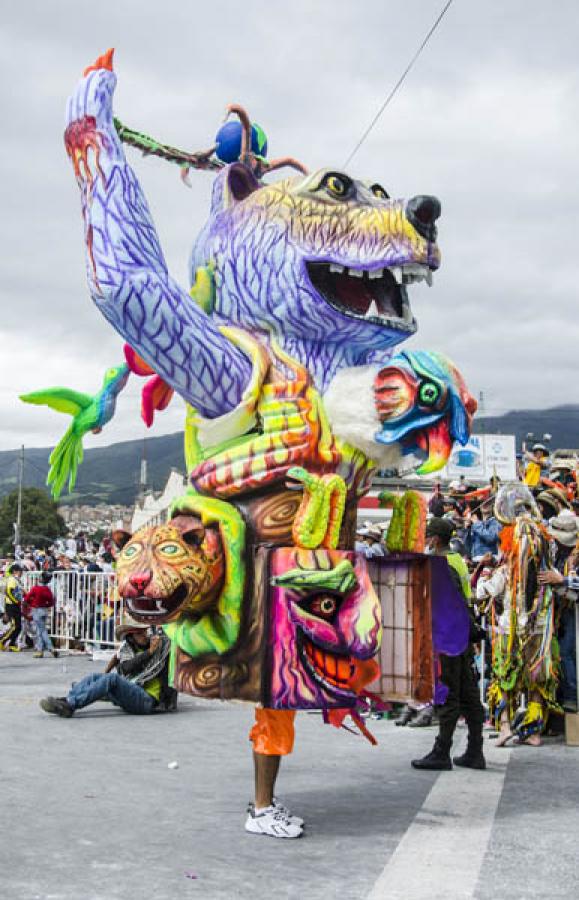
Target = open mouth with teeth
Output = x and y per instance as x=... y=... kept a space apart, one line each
x=375 y=294
x=155 y=609
x=331 y=670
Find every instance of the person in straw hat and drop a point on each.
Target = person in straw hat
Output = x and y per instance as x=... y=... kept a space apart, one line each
x=564 y=529
x=551 y=502
x=369 y=539
x=136 y=678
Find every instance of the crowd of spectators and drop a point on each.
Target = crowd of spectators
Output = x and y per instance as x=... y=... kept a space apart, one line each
x=85 y=606
x=476 y=537
x=78 y=554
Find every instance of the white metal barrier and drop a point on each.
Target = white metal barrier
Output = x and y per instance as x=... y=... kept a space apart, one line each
x=87 y=609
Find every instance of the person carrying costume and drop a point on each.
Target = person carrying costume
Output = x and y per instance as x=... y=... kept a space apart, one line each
x=457 y=673
x=265 y=383
x=40 y=600
x=272 y=737
x=13 y=608
x=140 y=684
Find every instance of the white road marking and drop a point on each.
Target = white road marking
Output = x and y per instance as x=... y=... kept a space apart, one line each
x=441 y=854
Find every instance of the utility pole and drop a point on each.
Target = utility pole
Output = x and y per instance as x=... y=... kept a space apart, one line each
x=482 y=410
x=143 y=478
x=17 y=529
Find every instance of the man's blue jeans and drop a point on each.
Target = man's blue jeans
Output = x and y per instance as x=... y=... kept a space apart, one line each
x=112 y=686
x=567 y=654
x=42 y=640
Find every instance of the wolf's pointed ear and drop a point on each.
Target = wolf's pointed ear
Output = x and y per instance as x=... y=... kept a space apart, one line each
x=121 y=537
x=191 y=528
x=241 y=182
x=232 y=185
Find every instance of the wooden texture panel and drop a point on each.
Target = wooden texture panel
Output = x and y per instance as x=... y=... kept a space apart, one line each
x=406 y=657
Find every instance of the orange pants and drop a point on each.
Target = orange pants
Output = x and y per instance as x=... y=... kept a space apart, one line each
x=273 y=733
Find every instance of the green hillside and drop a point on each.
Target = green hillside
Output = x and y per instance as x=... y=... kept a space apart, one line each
x=107 y=474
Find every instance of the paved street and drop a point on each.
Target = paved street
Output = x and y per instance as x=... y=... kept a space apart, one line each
x=91 y=811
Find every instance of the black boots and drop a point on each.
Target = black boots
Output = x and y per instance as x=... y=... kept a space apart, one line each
x=473 y=757
x=471 y=760
x=438 y=758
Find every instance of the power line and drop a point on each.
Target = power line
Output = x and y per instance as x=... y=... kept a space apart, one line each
x=398 y=84
x=29 y=462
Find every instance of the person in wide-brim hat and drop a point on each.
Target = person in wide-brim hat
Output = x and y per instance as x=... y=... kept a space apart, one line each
x=370 y=530
x=128 y=625
x=136 y=678
x=553 y=500
x=564 y=528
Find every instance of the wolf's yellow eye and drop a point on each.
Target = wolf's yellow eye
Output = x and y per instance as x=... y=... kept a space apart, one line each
x=379 y=192
x=337 y=185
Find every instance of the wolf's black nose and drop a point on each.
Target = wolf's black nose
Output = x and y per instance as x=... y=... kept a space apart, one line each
x=422 y=212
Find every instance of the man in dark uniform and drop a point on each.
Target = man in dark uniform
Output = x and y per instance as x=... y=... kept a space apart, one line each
x=457 y=673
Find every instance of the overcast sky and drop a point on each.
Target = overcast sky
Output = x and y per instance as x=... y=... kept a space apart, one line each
x=487 y=121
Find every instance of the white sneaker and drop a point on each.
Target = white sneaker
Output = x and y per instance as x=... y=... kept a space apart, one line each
x=273 y=823
x=283 y=809
x=279 y=807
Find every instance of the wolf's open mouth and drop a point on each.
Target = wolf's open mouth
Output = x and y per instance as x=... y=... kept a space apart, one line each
x=150 y=609
x=374 y=294
x=330 y=670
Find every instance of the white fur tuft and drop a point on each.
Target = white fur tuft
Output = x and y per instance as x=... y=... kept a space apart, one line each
x=349 y=403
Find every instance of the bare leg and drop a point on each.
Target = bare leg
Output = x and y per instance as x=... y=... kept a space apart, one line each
x=505 y=734
x=266 y=769
x=535 y=712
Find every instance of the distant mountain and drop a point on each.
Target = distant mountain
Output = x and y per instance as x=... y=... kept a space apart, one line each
x=107 y=474
x=561 y=422
x=111 y=474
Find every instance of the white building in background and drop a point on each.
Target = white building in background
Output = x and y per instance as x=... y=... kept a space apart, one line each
x=154 y=508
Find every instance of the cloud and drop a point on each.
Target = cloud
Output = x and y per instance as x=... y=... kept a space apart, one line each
x=486 y=120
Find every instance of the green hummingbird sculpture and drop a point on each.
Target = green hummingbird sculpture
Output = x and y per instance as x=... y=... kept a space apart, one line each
x=88 y=414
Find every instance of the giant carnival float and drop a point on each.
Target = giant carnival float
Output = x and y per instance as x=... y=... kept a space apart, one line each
x=286 y=353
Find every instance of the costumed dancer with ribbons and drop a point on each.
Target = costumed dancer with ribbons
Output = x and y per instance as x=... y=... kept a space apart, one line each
x=522 y=612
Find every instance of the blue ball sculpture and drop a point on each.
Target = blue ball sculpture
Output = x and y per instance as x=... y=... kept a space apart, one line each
x=228 y=140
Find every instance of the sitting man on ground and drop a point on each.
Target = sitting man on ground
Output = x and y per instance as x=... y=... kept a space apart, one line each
x=457 y=673
x=140 y=684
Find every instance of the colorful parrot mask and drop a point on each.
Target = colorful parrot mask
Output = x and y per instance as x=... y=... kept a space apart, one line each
x=423 y=404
